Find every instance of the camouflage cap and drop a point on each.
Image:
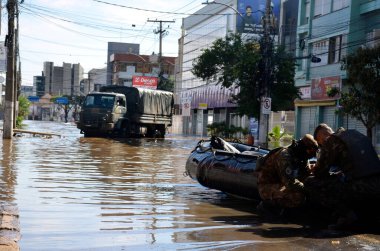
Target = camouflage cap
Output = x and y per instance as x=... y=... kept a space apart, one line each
x=309 y=141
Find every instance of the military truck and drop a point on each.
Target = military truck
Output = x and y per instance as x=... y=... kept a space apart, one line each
x=126 y=112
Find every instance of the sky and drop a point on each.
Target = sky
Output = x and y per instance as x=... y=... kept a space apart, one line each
x=73 y=31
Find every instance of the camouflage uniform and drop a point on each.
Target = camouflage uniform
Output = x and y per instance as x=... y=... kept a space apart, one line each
x=280 y=174
x=347 y=172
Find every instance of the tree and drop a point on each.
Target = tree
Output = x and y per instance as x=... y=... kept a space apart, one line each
x=235 y=63
x=165 y=84
x=23 y=110
x=360 y=97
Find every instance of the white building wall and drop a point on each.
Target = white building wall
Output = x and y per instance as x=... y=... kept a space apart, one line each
x=200 y=35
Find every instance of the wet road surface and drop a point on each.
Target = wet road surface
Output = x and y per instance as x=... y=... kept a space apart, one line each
x=76 y=193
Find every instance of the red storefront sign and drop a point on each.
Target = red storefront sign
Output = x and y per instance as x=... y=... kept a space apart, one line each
x=145 y=82
x=321 y=86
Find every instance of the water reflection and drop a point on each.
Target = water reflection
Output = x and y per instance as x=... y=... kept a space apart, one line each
x=8 y=172
x=77 y=193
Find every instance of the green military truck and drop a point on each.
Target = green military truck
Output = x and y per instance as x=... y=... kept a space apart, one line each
x=126 y=112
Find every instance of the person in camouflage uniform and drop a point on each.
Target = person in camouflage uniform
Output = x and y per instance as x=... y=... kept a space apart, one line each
x=346 y=174
x=281 y=172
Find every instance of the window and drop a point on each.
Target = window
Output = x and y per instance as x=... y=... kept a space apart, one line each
x=332 y=55
x=337 y=48
x=320 y=49
x=307 y=12
x=330 y=51
x=322 y=7
x=339 y=4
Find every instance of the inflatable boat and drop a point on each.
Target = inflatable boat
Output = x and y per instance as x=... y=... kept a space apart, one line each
x=226 y=166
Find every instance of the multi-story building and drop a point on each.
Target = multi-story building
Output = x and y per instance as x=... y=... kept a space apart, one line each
x=76 y=76
x=62 y=80
x=115 y=48
x=96 y=79
x=26 y=90
x=39 y=85
x=127 y=66
x=207 y=102
x=48 y=74
x=330 y=29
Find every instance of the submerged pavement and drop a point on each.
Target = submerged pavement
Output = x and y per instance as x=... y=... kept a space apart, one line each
x=9 y=227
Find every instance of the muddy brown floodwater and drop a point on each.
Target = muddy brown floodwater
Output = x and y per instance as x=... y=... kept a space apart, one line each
x=76 y=193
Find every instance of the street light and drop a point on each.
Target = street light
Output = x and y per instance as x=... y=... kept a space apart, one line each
x=229 y=6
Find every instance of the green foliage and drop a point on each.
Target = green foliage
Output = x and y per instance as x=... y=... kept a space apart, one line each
x=165 y=84
x=276 y=134
x=23 y=110
x=278 y=138
x=360 y=99
x=221 y=129
x=236 y=63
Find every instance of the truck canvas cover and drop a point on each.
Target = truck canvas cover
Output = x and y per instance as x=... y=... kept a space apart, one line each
x=144 y=101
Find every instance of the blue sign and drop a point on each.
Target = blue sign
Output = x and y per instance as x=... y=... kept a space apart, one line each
x=34 y=98
x=62 y=100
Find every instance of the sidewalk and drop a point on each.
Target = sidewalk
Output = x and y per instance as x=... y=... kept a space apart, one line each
x=9 y=227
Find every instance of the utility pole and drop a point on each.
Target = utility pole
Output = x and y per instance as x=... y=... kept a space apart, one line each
x=17 y=76
x=10 y=77
x=162 y=33
x=265 y=99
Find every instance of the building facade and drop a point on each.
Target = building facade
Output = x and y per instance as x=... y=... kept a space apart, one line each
x=39 y=85
x=126 y=67
x=96 y=79
x=115 y=48
x=330 y=29
x=200 y=103
x=61 y=80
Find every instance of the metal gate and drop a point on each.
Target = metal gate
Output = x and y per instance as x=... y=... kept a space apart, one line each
x=308 y=120
x=329 y=116
x=352 y=123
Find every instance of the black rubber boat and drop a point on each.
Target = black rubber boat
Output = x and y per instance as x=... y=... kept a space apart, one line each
x=226 y=166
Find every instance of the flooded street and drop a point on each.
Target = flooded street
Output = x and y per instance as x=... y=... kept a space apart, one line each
x=76 y=193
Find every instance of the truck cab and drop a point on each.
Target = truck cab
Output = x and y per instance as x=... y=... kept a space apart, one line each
x=101 y=113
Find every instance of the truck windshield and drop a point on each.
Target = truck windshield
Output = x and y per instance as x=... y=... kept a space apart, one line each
x=99 y=101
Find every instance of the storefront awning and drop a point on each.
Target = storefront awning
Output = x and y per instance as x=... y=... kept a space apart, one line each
x=303 y=103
